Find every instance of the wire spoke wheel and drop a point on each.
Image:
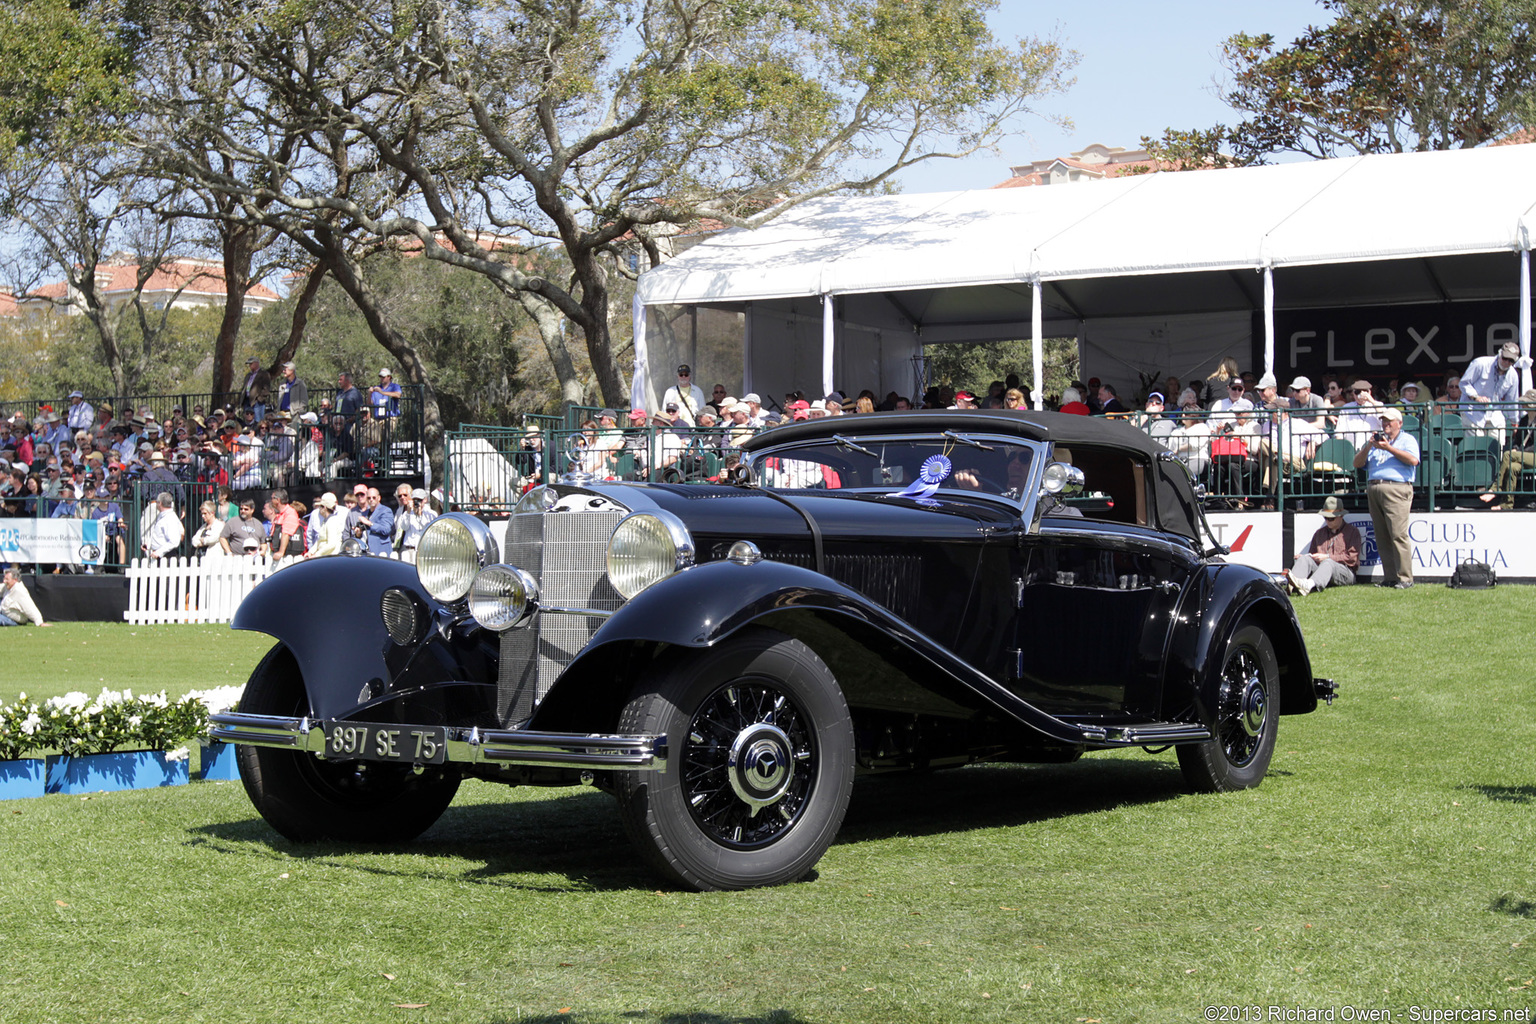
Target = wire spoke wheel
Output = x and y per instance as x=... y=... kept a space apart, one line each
x=763 y=767
x=748 y=764
x=1246 y=702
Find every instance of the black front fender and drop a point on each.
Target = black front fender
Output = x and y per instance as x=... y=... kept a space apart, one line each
x=326 y=611
x=705 y=604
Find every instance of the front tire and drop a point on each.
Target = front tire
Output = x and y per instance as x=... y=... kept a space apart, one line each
x=307 y=800
x=760 y=763
x=1247 y=716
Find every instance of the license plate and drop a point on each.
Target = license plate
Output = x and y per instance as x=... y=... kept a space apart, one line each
x=407 y=744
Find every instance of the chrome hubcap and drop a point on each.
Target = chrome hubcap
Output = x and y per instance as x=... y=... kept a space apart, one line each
x=761 y=765
x=749 y=764
x=1253 y=706
x=1244 y=712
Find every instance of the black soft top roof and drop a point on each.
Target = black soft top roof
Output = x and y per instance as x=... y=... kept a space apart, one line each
x=1056 y=427
x=1177 y=507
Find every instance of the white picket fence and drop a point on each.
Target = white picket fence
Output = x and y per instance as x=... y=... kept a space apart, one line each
x=188 y=590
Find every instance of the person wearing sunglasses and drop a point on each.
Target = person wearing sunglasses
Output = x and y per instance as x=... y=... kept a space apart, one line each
x=1485 y=384
x=1360 y=417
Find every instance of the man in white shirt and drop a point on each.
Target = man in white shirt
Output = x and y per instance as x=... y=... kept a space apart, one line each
x=688 y=396
x=165 y=533
x=79 y=415
x=1360 y=417
x=1485 y=380
x=16 y=605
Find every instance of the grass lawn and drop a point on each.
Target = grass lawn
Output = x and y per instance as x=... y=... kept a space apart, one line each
x=1385 y=863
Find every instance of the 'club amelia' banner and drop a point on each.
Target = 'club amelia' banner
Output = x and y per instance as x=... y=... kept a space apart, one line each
x=68 y=541
x=1440 y=541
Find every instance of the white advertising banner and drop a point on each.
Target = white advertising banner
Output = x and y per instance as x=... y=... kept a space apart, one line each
x=1441 y=541
x=70 y=541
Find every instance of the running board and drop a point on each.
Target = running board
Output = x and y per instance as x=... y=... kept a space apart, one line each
x=1144 y=734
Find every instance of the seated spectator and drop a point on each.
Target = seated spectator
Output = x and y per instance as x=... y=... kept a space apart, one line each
x=1190 y=441
x=1331 y=558
x=1109 y=401
x=1072 y=402
x=1519 y=456
x=1450 y=400
x=1152 y=420
x=1288 y=446
x=1360 y=417
x=1013 y=398
x=16 y=605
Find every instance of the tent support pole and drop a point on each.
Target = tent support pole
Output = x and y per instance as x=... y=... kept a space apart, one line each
x=637 y=380
x=1269 y=319
x=1037 y=346
x=746 y=351
x=1525 y=315
x=828 y=338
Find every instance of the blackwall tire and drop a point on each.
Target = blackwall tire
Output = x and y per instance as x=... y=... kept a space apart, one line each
x=760 y=763
x=309 y=800
x=1247 y=698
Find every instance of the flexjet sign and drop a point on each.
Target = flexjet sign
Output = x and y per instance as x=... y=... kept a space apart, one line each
x=1421 y=341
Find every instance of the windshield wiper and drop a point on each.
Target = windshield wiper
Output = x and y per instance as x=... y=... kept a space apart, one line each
x=840 y=439
x=966 y=440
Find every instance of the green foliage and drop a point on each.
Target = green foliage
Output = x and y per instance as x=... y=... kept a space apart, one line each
x=65 y=70
x=974 y=367
x=1385 y=76
x=178 y=361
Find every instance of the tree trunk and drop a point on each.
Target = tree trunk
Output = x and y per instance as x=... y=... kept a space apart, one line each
x=594 y=300
x=301 y=308
x=551 y=331
x=345 y=271
x=237 y=281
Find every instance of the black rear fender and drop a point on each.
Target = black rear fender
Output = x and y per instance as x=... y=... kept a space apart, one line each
x=1220 y=598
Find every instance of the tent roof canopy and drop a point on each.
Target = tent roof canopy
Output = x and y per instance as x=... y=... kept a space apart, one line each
x=961 y=263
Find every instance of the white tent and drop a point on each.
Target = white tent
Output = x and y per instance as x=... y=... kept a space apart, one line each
x=1159 y=269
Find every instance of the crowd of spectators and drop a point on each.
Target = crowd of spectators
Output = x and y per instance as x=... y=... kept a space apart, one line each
x=1238 y=431
x=89 y=461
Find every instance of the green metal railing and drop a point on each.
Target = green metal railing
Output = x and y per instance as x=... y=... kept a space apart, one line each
x=1281 y=468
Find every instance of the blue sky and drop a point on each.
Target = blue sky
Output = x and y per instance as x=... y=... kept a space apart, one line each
x=1145 y=67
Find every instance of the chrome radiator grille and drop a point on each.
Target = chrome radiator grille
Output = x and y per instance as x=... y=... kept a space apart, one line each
x=567 y=552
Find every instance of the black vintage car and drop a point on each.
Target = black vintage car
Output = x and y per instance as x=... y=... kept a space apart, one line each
x=871 y=593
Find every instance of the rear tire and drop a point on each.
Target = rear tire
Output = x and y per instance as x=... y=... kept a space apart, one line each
x=759 y=767
x=307 y=800
x=1247 y=695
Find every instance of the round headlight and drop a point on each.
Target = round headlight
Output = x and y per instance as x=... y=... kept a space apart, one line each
x=646 y=547
x=452 y=549
x=503 y=596
x=1054 y=480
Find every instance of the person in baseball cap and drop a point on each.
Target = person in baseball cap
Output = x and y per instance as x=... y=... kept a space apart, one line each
x=1331 y=557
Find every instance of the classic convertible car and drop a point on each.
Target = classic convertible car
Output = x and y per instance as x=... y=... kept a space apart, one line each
x=872 y=593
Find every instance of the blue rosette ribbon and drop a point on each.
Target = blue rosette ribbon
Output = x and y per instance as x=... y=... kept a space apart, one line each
x=934 y=469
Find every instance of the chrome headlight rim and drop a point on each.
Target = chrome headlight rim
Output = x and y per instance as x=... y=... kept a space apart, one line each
x=451 y=585
x=503 y=597
x=681 y=556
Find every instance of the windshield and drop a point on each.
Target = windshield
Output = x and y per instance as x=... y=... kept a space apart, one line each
x=953 y=462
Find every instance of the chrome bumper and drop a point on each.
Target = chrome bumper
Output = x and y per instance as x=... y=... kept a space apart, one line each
x=466 y=746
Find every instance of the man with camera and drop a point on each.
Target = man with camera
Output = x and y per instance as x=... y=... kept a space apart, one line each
x=1392 y=457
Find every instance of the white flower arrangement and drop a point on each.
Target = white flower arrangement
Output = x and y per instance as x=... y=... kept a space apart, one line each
x=77 y=723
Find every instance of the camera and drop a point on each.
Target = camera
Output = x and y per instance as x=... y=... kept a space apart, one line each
x=1378 y=436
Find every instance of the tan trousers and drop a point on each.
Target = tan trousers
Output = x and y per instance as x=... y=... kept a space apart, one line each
x=1509 y=473
x=1389 y=502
